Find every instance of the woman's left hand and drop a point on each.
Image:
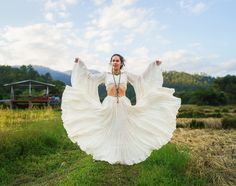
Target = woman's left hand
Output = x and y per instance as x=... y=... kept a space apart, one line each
x=158 y=62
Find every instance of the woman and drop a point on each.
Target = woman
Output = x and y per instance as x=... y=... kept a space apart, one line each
x=114 y=130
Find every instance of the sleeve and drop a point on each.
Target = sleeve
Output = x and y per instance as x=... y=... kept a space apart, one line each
x=85 y=81
x=150 y=80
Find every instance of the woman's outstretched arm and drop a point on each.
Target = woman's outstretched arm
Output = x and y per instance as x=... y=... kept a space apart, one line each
x=150 y=79
x=81 y=74
x=153 y=74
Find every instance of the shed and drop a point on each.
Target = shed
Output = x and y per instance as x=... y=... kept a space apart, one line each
x=29 y=100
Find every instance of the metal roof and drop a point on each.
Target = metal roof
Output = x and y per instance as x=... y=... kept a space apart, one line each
x=33 y=83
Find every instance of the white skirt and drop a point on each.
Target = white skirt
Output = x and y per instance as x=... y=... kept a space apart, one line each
x=120 y=132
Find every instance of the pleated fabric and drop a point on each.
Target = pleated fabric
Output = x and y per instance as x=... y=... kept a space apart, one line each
x=119 y=132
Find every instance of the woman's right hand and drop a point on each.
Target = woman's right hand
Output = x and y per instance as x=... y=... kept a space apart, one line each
x=158 y=62
x=77 y=60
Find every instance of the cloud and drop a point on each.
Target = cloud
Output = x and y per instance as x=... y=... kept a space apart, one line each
x=224 y=68
x=185 y=60
x=41 y=44
x=193 y=62
x=57 y=9
x=119 y=16
x=138 y=60
x=194 y=8
x=98 y=2
x=195 y=45
x=49 y=16
x=55 y=46
x=117 y=24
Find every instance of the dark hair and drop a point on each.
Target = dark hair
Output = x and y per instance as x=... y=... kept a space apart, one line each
x=122 y=59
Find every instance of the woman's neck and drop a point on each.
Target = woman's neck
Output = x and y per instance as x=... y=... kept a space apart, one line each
x=115 y=71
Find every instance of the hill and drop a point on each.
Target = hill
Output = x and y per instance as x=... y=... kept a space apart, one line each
x=191 y=88
x=56 y=75
x=173 y=79
x=183 y=81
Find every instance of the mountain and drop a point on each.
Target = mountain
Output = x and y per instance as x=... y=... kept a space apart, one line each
x=183 y=81
x=56 y=75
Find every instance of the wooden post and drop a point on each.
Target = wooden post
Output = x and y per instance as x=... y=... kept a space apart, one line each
x=47 y=91
x=30 y=95
x=47 y=94
x=11 y=104
x=30 y=104
x=12 y=93
x=30 y=92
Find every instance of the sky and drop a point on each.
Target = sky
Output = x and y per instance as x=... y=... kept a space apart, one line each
x=192 y=36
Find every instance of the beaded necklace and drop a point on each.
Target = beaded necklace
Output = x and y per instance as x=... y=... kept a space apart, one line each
x=117 y=86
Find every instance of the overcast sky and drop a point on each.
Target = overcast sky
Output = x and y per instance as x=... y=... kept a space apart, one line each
x=187 y=35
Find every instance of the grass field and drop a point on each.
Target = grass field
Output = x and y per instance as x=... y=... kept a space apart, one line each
x=34 y=150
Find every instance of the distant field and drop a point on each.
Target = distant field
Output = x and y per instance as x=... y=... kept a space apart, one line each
x=206 y=116
x=34 y=150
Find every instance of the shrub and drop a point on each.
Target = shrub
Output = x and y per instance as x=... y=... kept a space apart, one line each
x=180 y=125
x=229 y=122
x=198 y=114
x=191 y=114
x=185 y=114
x=225 y=110
x=214 y=115
x=197 y=124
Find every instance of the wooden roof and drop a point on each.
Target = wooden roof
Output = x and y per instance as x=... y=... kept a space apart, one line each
x=26 y=83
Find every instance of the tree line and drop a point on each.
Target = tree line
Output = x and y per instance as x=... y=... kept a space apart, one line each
x=13 y=74
x=202 y=89
x=199 y=89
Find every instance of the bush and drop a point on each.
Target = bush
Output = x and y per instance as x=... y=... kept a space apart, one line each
x=197 y=124
x=191 y=114
x=229 y=122
x=214 y=115
x=225 y=110
x=185 y=114
x=180 y=125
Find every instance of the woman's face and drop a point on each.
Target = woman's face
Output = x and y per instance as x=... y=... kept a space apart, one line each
x=116 y=62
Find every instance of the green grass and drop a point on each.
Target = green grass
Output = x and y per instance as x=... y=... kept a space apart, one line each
x=39 y=153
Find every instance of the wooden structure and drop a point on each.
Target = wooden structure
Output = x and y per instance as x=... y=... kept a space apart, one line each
x=15 y=101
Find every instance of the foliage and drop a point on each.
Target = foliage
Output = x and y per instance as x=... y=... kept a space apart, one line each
x=199 y=89
x=183 y=81
x=202 y=89
x=229 y=122
x=197 y=124
x=227 y=84
x=10 y=74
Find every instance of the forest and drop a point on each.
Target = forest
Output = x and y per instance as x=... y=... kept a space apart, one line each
x=13 y=74
x=199 y=89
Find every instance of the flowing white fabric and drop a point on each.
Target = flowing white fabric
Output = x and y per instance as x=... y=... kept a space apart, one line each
x=119 y=132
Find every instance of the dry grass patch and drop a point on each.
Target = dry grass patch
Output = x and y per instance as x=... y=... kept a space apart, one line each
x=212 y=151
x=208 y=122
